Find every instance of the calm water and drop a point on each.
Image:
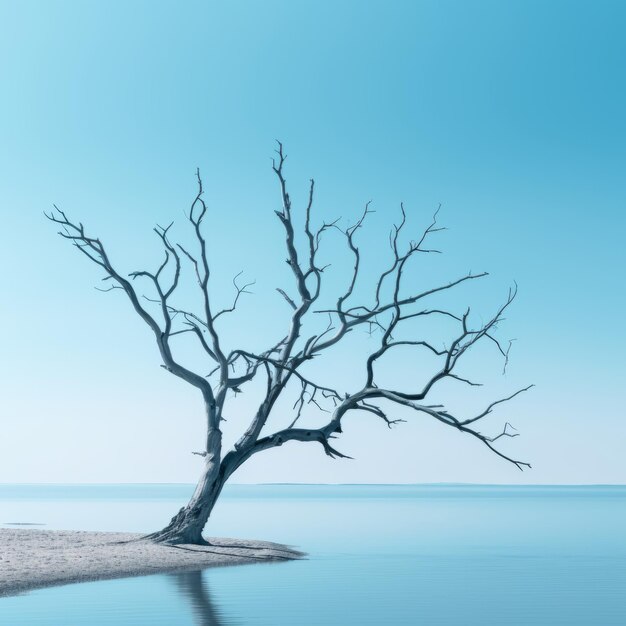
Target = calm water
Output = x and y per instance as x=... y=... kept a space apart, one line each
x=378 y=555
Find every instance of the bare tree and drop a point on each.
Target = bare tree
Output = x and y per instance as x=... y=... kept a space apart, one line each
x=281 y=364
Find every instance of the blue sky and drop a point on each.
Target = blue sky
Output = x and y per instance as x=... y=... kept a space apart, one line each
x=510 y=114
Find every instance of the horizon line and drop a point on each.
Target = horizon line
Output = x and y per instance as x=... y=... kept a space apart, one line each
x=305 y=484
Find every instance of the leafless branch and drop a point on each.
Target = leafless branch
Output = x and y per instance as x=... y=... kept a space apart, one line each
x=241 y=289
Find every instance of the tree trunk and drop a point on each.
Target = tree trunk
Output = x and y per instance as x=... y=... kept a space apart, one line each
x=187 y=525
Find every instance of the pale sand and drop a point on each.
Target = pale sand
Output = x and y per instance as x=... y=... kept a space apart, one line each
x=30 y=559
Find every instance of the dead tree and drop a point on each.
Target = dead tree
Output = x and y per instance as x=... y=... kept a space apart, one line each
x=281 y=364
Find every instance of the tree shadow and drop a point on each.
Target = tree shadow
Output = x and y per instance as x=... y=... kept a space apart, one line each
x=193 y=588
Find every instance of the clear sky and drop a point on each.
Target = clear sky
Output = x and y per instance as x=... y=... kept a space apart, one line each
x=511 y=114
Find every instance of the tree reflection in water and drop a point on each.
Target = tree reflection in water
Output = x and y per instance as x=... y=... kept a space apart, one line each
x=193 y=587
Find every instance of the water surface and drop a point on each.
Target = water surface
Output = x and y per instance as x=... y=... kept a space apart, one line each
x=432 y=554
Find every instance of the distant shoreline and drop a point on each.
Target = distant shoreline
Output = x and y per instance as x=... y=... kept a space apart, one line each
x=32 y=559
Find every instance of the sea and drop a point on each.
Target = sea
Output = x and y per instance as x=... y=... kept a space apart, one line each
x=418 y=555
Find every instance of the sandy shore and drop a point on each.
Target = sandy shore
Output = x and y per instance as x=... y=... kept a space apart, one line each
x=30 y=559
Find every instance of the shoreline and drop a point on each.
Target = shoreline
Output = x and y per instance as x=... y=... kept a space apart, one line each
x=32 y=559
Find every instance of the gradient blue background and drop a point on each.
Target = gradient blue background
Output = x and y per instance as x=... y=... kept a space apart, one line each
x=511 y=114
